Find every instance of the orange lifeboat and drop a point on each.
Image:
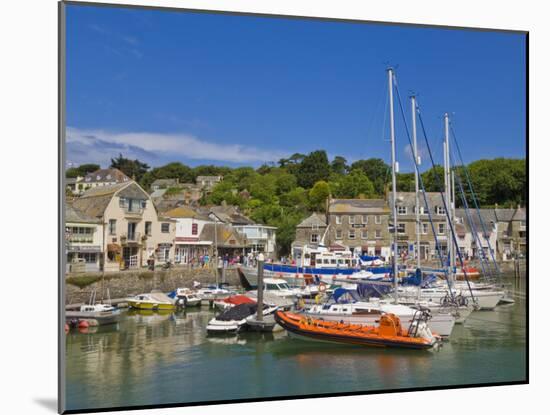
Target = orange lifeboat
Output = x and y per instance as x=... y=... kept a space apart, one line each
x=389 y=333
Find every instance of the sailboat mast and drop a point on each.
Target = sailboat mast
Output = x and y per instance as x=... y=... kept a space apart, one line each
x=394 y=182
x=447 y=175
x=417 y=163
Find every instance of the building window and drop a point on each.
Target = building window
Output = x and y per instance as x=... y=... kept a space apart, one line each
x=440 y=210
x=420 y=210
x=364 y=219
x=401 y=228
x=314 y=238
x=164 y=252
x=424 y=228
x=440 y=228
x=351 y=219
x=351 y=234
x=195 y=229
x=122 y=202
x=338 y=233
x=378 y=219
x=112 y=226
x=148 y=228
x=378 y=234
x=338 y=220
x=165 y=227
x=401 y=210
x=364 y=234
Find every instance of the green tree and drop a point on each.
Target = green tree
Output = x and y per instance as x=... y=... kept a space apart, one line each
x=405 y=182
x=175 y=170
x=285 y=182
x=377 y=171
x=314 y=167
x=339 y=165
x=356 y=184
x=434 y=179
x=318 y=196
x=134 y=169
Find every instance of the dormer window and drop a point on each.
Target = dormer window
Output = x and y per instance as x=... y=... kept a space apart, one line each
x=98 y=177
x=401 y=210
x=108 y=177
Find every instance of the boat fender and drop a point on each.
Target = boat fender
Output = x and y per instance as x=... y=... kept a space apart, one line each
x=66 y=328
x=83 y=324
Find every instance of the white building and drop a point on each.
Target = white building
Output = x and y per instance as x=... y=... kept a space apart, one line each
x=189 y=226
x=259 y=238
x=83 y=241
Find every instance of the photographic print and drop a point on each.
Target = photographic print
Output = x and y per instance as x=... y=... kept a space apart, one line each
x=274 y=207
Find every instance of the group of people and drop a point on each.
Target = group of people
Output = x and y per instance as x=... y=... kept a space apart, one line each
x=224 y=261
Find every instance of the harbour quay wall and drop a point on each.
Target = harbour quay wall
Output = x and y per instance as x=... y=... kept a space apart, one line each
x=79 y=286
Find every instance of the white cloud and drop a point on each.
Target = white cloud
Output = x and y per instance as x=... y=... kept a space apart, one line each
x=100 y=145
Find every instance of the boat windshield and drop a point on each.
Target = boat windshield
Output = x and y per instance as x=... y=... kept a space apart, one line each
x=284 y=286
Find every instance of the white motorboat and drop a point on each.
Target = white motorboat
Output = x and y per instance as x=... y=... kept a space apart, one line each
x=277 y=287
x=95 y=313
x=213 y=292
x=346 y=306
x=185 y=297
x=234 y=319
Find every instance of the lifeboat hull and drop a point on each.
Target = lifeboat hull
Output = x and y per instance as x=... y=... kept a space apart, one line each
x=294 y=330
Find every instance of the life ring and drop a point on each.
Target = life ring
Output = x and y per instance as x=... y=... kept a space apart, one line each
x=322 y=287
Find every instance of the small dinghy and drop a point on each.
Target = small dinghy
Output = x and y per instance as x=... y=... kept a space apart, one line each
x=389 y=332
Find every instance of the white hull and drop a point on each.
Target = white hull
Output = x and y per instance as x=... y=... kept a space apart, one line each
x=441 y=324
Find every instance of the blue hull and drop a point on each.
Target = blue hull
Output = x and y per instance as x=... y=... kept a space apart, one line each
x=293 y=269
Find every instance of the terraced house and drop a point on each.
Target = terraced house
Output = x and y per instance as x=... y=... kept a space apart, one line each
x=359 y=224
x=132 y=230
x=406 y=225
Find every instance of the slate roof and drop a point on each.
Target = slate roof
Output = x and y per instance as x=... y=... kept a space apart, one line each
x=314 y=220
x=487 y=216
x=520 y=214
x=227 y=236
x=231 y=214
x=106 y=175
x=184 y=212
x=74 y=215
x=504 y=215
x=164 y=182
x=94 y=201
x=358 y=206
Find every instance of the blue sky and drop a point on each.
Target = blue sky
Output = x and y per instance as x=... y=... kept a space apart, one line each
x=241 y=90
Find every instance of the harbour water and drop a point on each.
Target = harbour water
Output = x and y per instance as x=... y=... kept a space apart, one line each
x=152 y=358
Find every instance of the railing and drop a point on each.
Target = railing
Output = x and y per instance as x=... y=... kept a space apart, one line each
x=81 y=238
x=130 y=237
x=134 y=212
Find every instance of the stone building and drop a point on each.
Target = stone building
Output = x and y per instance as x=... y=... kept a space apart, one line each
x=512 y=232
x=359 y=223
x=406 y=225
x=309 y=233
